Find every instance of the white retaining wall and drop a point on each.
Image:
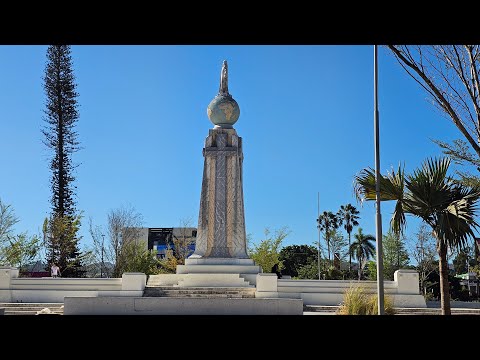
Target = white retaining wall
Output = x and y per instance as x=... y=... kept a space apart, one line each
x=404 y=289
x=46 y=289
x=180 y=306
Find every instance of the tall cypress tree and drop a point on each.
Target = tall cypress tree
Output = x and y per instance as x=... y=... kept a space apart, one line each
x=59 y=135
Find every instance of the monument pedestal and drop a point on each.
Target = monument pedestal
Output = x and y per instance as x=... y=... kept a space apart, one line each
x=218 y=266
x=213 y=280
x=225 y=272
x=210 y=272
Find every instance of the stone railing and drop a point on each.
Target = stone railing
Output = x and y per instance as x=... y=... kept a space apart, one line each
x=46 y=289
x=404 y=289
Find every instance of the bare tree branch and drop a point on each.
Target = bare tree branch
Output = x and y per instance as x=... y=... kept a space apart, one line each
x=433 y=86
x=473 y=96
x=474 y=73
x=183 y=240
x=124 y=226
x=424 y=252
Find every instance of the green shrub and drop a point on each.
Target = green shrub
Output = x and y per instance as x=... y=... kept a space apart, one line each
x=372 y=305
x=429 y=296
x=334 y=274
x=354 y=302
x=357 y=302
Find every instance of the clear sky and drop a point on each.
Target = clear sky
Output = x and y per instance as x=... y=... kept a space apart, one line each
x=306 y=122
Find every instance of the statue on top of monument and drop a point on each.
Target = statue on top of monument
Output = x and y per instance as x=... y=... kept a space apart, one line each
x=224 y=79
x=223 y=110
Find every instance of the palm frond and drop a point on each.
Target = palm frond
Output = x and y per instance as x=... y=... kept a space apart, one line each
x=391 y=186
x=449 y=207
x=398 y=221
x=429 y=188
x=364 y=185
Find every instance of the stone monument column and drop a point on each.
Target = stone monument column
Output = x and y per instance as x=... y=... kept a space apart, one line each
x=221 y=221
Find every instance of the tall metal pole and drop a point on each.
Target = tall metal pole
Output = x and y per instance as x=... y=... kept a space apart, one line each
x=380 y=291
x=101 y=268
x=468 y=276
x=318 y=226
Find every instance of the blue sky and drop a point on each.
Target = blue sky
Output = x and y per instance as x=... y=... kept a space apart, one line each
x=306 y=122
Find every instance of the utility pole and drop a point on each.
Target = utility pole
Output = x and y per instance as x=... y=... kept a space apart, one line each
x=101 y=267
x=380 y=290
x=468 y=273
x=318 y=227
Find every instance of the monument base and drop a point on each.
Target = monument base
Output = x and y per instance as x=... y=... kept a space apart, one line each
x=213 y=280
x=208 y=272
x=218 y=261
x=180 y=306
x=218 y=266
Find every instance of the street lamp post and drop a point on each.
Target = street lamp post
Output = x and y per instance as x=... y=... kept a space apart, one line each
x=318 y=226
x=381 y=310
x=101 y=267
x=468 y=275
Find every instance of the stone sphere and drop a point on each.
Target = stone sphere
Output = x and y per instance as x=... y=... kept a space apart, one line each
x=223 y=111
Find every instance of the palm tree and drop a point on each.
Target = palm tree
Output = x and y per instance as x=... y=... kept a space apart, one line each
x=362 y=249
x=327 y=221
x=348 y=216
x=447 y=206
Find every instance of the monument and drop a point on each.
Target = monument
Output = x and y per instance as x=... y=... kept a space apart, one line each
x=221 y=221
x=221 y=244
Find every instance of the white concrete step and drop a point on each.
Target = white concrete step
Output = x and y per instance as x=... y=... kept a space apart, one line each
x=323 y=289
x=209 y=280
x=21 y=312
x=174 y=279
x=435 y=311
x=205 y=296
x=215 y=289
x=398 y=311
x=219 y=261
x=250 y=278
x=222 y=269
x=320 y=308
x=31 y=308
x=204 y=292
x=164 y=279
x=22 y=304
